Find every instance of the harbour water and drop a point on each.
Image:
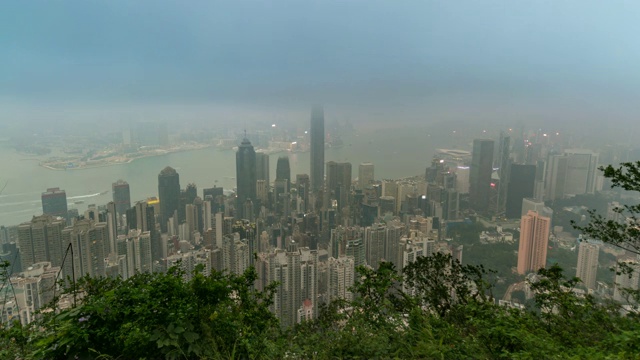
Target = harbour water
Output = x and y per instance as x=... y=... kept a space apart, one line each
x=395 y=153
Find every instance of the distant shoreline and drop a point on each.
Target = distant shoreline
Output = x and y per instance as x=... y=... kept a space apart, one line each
x=87 y=167
x=128 y=161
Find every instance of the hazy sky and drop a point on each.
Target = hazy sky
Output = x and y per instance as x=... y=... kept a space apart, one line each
x=403 y=60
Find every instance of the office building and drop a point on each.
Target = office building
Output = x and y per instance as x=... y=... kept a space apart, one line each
x=281 y=196
x=190 y=260
x=555 y=177
x=121 y=196
x=409 y=249
x=365 y=175
x=503 y=163
x=190 y=193
x=344 y=175
x=480 y=174
x=216 y=195
x=262 y=167
x=303 y=187
x=33 y=290
x=625 y=281
x=529 y=204
x=331 y=179
x=191 y=222
x=88 y=239
x=246 y=179
x=338 y=182
x=283 y=170
x=587 y=267
x=451 y=205
x=317 y=149
x=112 y=227
x=534 y=240
x=134 y=253
x=236 y=253
x=341 y=275
x=169 y=195
x=538 y=187
x=54 y=203
x=572 y=173
x=386 y=205
x=582 y=166
x=40 y=240
x=356 y=249
x=521 y=186
x=375 y=239
x=262 y=192
x=145 y=217
x=343 y=190
x=296 y=271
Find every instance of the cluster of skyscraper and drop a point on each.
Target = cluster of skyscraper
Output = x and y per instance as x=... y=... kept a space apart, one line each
x=310 y=234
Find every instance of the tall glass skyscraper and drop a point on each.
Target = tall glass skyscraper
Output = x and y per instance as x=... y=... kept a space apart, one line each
x=283 y=169
x=480 y=174
x=317 y=148
x=121 y=196
x=169 y=194
x=246 y=178
x=521 y=186
x=262 y=167
x=503 y=163
x=54 y=202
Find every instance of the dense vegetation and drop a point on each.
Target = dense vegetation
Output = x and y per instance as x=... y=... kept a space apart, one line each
x=441 y=309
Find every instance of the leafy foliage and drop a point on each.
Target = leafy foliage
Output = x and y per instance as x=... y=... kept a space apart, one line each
x=624 y=234
x=437 y=309
x=439 y=282
x=160 y=315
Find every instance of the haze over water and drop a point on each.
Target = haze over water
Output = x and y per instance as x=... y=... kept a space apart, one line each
x=395 y=153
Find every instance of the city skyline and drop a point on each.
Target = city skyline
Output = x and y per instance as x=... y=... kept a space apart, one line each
x=305 y=239
x=283 y=161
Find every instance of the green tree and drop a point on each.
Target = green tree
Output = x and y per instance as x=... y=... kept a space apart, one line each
x=624 y=233
x=162 y=316
x=13 y=339
x=571 y=317
x=439 y=281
